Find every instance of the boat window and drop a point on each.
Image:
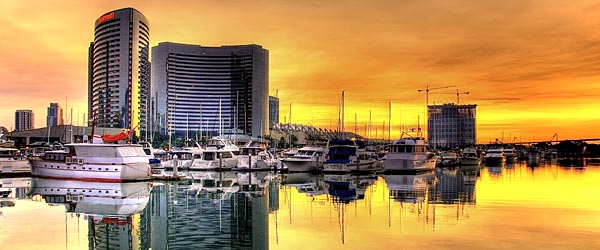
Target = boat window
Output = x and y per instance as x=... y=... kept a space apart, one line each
x=226 y=155
x=209 y=156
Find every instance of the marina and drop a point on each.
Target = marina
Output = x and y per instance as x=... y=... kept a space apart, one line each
x=479 y=206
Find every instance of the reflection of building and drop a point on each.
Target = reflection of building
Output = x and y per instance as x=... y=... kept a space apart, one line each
x=451 y=125
x=119 y=80
x=455 y=186
x=182 y=217
x=54 y=116
x=273 y=111
x=24 y=120
x=210 y=89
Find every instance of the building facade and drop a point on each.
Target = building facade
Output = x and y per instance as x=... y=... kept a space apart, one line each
x=119 y=68
x=210 y=90
x=451 y=125
x=54 y=116
x=24 y=120
x=273 y=111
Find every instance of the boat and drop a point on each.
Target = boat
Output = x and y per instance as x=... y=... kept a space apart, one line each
x=183 y=156
x=494 y=155
x=93 y=162
x=12 y=162
x=254 y=156
x=409 y=154
x=448 y=159
x=306 y=159
x=214 y=159
x=470 y=157
x=154 y=158
x=511 y=154
x=344 y=156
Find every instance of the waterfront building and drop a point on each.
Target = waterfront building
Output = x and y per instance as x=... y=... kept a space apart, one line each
x=119 y=67
x=209 y=90
x=451 y=125
x=24 y=120
x=54 y=116
x=273 y=111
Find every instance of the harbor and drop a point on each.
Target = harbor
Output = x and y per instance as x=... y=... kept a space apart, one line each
x=506 y=206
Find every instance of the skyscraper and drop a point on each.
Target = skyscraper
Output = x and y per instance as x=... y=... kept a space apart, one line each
x=210 y=89
x=54 y=116
x=273 y=111
x=119 y=80
x=24 y=120
x=451 y=125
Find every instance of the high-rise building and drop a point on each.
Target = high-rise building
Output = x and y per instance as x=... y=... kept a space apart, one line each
x=54 y=116
x=451 y=125
x=24 y=120
x=273 y=111
x=119 y=80
x=210 y=90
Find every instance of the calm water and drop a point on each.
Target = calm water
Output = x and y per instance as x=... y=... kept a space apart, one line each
x=541 y=205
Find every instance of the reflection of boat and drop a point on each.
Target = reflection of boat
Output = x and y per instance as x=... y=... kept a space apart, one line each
x=345 y=156
x=409 y=154
x=348 y=187
x=94 y=162
x=11 y=162
x=214 y=182
x=96 y=198
x=470 y=157
x=306 y=183
x=410 y=187
x=308 y=158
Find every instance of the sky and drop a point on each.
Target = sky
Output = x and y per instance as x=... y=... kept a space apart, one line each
x=531 y=66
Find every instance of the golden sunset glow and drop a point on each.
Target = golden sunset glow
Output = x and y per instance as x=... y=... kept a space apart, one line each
x=532 y=67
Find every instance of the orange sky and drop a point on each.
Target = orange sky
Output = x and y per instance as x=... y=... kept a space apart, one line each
x=531 y=66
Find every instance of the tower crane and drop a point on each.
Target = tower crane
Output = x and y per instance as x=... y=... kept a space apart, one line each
x=427 y=90
x=457 y=95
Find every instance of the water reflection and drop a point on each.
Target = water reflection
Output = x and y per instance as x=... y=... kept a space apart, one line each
x=111 y=209
x=262 y=210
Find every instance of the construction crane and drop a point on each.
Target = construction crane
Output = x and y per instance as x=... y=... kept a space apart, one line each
x=457 y=95
x=427 y=90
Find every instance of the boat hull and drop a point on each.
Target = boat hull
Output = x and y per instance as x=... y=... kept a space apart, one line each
x=12 y=166
x=409 y=163
x=470 y=161
x=352 y=167
x=302 y=165
x=91 y=172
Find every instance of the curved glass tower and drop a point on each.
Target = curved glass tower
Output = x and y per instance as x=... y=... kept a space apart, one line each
x=210 y=90
x=119 y=70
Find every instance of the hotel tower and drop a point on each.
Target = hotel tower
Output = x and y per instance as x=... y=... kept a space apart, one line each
x=119 y=68
x=210 y=90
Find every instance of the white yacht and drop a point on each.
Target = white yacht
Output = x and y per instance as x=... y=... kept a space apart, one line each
x=308 y=158
x=470 y=156
x=494 y=155
x=11 y=162
x=214 y=159
x=255 y=156
x=409 y=154
x=344 y=156
x=93 y=162
x=511 y=154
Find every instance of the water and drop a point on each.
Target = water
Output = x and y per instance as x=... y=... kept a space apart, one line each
x=535 y=205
